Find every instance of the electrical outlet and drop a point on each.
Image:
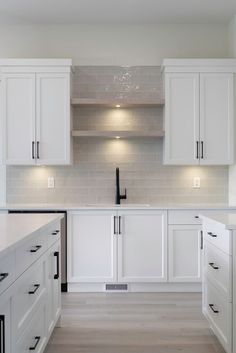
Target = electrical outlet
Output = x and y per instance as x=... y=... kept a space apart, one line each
x=51 y=182
x=196 y=182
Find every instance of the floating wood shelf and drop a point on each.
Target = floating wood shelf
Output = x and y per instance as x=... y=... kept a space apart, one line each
x=100 y=133
x=113 y=103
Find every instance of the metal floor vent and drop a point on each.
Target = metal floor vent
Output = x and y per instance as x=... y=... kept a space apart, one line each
x=117 y=287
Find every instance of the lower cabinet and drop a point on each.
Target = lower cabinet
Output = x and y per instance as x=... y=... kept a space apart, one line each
x=126 y=246
x=5 y=324
x=184 y=253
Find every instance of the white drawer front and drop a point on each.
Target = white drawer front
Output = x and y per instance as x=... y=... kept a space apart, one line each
x=219 y=237
x=184 y=217
x=30 y=251
x=53 y=233
x=219 y=313
x=27 y=295
x=217 y=267
x=34 y=336
x=7 y=271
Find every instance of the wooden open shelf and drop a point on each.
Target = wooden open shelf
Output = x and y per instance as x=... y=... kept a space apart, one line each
x=103 y=133
x=112 y=103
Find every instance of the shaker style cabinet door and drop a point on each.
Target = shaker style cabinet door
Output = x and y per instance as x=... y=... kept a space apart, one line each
x=53 y=118
x=142 y=246
x=181 y=119
x=216 y=118
x=184 y=253
x=18 y=109
x=92 y=247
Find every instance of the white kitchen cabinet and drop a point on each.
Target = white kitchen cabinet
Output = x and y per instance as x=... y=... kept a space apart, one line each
x=92 y=247
x=184 y=249
x=5 y=324
x=142 y=246
x=199 y=111
x=54 y=285
x=36 y=115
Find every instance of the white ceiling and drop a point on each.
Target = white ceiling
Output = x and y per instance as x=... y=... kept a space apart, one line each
x=116 y=11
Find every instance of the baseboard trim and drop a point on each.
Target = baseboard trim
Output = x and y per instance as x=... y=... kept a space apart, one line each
x=136 y=287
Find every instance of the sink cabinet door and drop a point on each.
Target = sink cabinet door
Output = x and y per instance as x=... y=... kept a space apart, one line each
x=92 y=247
x=142 y=246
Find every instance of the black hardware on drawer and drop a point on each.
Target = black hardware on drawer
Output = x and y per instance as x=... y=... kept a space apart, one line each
x=3 y=276
x=212 y=308
x=196 y=216
x=56 y=254
x=37 y=339
x=2 y=334
x=36 y=248
x=212 y=235
x=213 y=266
x=55 y=232
x=36 y=287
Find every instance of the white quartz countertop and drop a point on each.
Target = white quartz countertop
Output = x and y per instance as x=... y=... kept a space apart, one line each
x=72 y=207
x=16 y=228
x=224 y=219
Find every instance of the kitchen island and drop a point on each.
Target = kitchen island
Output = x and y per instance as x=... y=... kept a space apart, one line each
x=30 y=298
x=219 y=276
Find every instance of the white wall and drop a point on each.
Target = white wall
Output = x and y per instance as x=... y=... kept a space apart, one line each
x=114 y=44
x=232 y=169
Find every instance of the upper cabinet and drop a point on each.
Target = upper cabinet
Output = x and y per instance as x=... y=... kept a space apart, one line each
x=36 y=114
x=199 y=114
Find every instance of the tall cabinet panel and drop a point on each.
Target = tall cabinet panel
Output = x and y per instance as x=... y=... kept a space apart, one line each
x=181 y=118
x=53 y=118
x=216 y=118
x=18 y=104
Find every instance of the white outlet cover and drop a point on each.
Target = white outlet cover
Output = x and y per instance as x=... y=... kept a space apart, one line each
x=51 y=182
x=196 y=182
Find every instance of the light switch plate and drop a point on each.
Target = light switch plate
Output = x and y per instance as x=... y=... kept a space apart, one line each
x=196 y=182
x=51 y=182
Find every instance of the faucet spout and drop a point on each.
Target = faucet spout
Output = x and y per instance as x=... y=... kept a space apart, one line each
x=119 y=196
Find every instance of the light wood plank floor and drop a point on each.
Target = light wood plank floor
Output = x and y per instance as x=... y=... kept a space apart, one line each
x=133 y=323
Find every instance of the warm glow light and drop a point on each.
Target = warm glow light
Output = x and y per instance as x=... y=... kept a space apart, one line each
x=117 y=105
x=117 y=137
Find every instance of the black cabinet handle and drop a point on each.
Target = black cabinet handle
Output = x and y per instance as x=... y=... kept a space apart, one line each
x=37 y=339
x=212 y=308
x=38 y=149
x=114 y=226
x=36 y=287
x=2 y=334
x=3 y=276
x=202 y=152
x=55 y=232
x=201 y=246
x=197 y=154
x=119 y=224
x=56 y=254
x=212 y=235
x=196 y=216
x=33 y=149
x=36 y=248
x=213 y=266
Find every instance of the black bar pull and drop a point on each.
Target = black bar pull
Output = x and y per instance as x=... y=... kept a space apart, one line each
x=196 y=216
x=202 y=151
x=212 y=235
x=213 y=266
x=37 y=339
x=2 y=334
x=201 y=247
x=55 y=232
x=3 y=276
x=213 y=309
x=119 y=224
x=38 y=149
x=114 y=229
x=197 y=154
x=56 y=254
x=36 y=287
x=36 y=248
x=33 y=150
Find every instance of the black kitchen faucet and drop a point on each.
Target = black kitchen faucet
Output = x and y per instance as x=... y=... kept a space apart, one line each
x=118 y=194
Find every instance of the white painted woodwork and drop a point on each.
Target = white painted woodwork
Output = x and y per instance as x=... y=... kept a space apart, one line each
x=216 y=118
x=53 y=118
x=18 y=106
x=181 y=118
x=184 y=217
x=92 y=247
x=184 y=250
x=7 y=265
x=142 y=246
x=5 y=312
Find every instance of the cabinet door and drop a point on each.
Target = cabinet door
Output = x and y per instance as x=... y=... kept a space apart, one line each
x=92 y=247
x=142 y=246
x=216 y=118
x=53 y=118
x=181 y=118
x=5 y=324
x=54 y=286
x=18 y=104
x=184 y=253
